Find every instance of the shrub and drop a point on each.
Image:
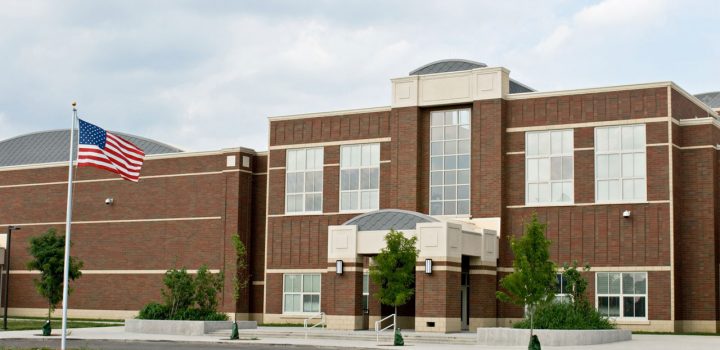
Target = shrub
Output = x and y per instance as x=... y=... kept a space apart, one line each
x=566 y=316
x=153 y=311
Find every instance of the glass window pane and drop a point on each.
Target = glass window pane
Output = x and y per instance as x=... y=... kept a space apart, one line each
x=345 y=155
x=463 y=192
x=374 y=176
x=568 y=142
x=531 y=146
x=544 y=169
x=463 y=207
x=375 y=155
x=614 y=166
x=450 y=177
x=613 y=306
x=288 y=307
x=639 y=164
x=614 y=283
x=310 y=182
x=614 y=139
x=640 y=307
x=602 y=166
x=437 y=118
x=436 y=178
x=628 y=283
x=640 y=283
x=436 y=163
x=602 y=283
x=533 y=193
x=436 y=148
x=436 y=193
x=603 y=306
x=345 y=201
x=567 y=165
x=627 y=138
x=464 y=147
x=449 y=193
x=532 y=170
x=450 y=208
x=556 y=142
x=463 y=177
x=436 y=208
x=316 y=283
x=602 y=190
x=464 y=116
x=463 y=162
x=348 y=180
x=601 y=139
x=567 y=192
x=451 y=117
x=364 y=179
x=307 y=283
x=556 y=168
x=544 y=143
x=356 y=156
x=291 y=160
x=374 y=199
x=614 y=190
x=639 y=189
x=450 y=147
x=450 y=162
x=639 y=137
x=450 y=132
x=300 y=163
x=436 y=133
x=310 y=160
x=627 y=165
x=544 y=193
x=287 y=283
x=464 y=132
x=365 y=200
x=557 y=191
x=628 y=307
x=366 y=155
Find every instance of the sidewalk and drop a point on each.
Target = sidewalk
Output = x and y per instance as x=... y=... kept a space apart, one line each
x=639 y=342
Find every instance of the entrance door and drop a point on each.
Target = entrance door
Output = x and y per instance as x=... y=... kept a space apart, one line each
x=465 y=294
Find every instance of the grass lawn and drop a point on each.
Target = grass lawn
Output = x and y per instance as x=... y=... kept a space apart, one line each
x=21 y=324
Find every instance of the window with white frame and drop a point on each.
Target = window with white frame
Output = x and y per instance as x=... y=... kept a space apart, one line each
x=304 y=180
x=549 y=167
x=359 y=177
x=620 y=163
x=301 y=293
x=366 y=293
x=621 y=294
x=562 y=295
x=450 y=162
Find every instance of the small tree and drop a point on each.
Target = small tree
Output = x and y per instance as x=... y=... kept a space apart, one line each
x=576 y=284
x=533 y=279
x=394 y=269
x=241 y=278
x=48 y=252
x=207 y=287
x=179 y=291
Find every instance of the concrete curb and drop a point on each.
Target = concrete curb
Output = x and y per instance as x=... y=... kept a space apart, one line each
x=134 y=325
x=551 y=337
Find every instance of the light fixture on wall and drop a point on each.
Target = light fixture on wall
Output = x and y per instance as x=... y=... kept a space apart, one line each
x=339 y=267
x=109 y=201
x=626 y=214
x=428 y=266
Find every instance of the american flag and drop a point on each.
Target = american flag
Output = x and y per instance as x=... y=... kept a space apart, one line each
x=104 y=150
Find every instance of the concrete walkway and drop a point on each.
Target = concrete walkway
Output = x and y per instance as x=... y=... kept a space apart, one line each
x=639 y=342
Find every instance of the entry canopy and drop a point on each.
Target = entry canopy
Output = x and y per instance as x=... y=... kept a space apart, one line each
x=387 y=219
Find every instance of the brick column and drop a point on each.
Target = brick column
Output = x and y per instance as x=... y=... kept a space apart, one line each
x=342 y=296
x=437 y=298
x=481 y=298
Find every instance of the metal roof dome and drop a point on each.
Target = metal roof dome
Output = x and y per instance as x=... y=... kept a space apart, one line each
x=52 y=146
x=387 y=219
x=457 y=65
x=711 y=99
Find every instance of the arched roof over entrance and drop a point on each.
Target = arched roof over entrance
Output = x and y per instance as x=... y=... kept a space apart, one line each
x=387 y=219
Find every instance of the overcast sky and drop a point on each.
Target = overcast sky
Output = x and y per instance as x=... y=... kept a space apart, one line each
x=205 y=75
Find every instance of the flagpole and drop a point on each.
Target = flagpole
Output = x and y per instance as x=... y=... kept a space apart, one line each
x=66 y=266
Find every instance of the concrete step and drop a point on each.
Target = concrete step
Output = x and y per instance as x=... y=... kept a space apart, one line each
x=412 y=337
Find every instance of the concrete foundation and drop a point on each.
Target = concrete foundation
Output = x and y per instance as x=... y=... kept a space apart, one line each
x=550 y=337
x=134 y=325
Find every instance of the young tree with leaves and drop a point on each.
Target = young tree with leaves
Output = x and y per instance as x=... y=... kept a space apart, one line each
x=241 y=278
x=533 y=279
x=48 y=253
x=394 y=270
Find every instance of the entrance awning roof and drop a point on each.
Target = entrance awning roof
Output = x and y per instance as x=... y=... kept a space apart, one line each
x=387 y=219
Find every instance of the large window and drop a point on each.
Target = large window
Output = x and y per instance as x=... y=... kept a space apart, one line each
x=359 y=177
x=301 y=293
x=621 y=294
x=549 y=167
x=450 y=162
x=620 y=163
x=562 y=294
x=304 y=180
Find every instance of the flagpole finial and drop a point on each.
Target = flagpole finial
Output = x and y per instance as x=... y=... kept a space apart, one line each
x=74 y=105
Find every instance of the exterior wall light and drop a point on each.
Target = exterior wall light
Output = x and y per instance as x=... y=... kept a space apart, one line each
x=339 y=267
x=626 y=214
x=428 y=266
x=109 y=201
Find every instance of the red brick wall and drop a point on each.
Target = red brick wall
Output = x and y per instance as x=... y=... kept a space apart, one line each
x=342 y=294
x=338 y=128
x=437 y=294
x=488 y=125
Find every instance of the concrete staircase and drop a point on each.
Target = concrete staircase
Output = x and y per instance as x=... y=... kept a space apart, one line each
x=361 y=335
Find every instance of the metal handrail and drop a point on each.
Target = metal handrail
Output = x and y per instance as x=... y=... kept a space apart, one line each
x=378 y=324
x=322 y=323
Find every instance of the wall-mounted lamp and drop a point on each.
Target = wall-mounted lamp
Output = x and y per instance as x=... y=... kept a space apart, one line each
x=339 y=267
x=109 y=201
x=626 y=214
x=428 y=266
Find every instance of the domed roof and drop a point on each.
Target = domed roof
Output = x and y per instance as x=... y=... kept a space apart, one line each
x=387 y=219
x=457 y=65
x=711 y=99
x=52 y=146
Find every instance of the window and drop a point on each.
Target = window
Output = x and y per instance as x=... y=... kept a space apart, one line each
x=301 y=293
x=549 y=167
x=366 y=293
x=304 y=180
x=622 y=294
x=450 y=162
x=562 y=295
x=620 y=163
x=359 y=177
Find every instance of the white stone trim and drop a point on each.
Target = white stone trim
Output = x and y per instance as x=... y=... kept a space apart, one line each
x=513 y=153
x=696 y=147
x=283 y=271
x=612 y=268
x=588 y=124
x=73 y=313
x=117 y=221
x=559 y=93
x=330 y=143
x=258 y=283
x=585 y=204
x=330 y=113
x=656 y=144
x=584 y=149
x=483 y=272
x=120 y=179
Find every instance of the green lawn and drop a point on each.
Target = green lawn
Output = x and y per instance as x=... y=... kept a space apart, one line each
x=30 y=323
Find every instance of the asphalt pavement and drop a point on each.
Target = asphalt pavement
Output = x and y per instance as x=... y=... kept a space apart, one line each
x=93 y=344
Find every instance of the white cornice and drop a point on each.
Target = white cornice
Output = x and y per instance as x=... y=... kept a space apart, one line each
x=330 y=113
x=558 y=93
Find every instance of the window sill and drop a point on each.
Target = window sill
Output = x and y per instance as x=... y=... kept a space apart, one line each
x=298 y=315
x=304 y=213
x=627 y=321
